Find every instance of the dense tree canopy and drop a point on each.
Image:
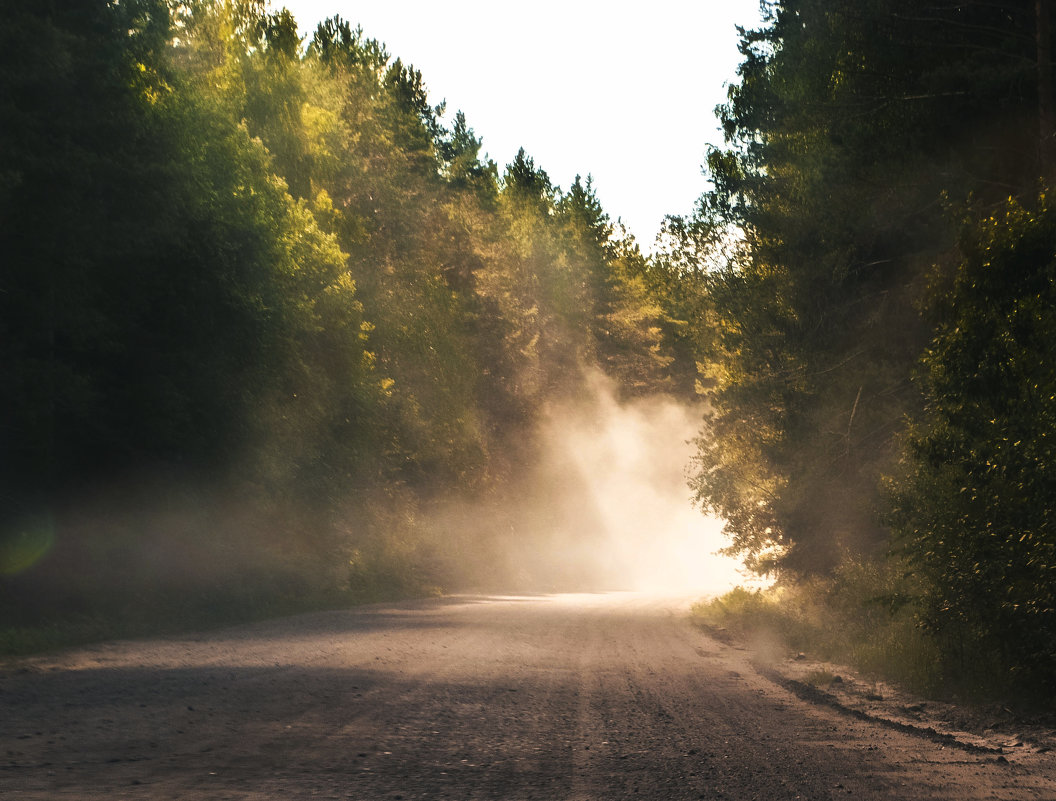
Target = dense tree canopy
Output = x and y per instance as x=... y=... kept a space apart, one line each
x=269 y=272
x=870 y=313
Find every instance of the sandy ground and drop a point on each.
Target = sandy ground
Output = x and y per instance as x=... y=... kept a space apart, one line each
x=557 y=698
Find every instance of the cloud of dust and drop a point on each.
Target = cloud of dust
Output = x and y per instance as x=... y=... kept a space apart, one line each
x=597 y=501
x=611 y=504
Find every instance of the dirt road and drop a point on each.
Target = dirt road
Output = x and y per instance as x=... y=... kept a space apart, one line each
x=556 y=698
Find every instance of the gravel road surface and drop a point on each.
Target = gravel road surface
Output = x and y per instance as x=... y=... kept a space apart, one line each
x=556 y=698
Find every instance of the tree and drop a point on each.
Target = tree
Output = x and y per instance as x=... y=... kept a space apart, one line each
x=620 y=313
x=850 y=123
x=269 y=285
x=972 y=500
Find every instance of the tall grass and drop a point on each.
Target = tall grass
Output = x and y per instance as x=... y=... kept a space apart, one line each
x=863 y=615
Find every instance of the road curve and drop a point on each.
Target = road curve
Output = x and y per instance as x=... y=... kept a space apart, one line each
x=556 y=698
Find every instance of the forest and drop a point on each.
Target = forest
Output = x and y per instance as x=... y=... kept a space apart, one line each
x=269 y=322
x=269 y=319
x=876 y=262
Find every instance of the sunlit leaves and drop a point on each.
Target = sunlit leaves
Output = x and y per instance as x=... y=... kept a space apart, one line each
x=848 y=132
x=275 y=269
x=973 y=503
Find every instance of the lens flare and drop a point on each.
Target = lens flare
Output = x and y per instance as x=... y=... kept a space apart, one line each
x=25 y=544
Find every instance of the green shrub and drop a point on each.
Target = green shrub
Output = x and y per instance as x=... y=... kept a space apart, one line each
x=863 y=615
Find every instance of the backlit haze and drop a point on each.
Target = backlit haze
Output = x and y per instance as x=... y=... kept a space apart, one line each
x=619 y=470
x=626 y=95
x=604 y=507
x=623 y=92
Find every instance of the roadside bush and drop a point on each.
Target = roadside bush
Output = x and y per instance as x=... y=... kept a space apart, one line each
x=971 y=503
x=863 y=615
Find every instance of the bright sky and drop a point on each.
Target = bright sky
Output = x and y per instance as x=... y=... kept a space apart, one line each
x=624 y=92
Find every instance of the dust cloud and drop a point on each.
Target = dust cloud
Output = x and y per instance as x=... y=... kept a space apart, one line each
x=630 y=460
x=607 y=506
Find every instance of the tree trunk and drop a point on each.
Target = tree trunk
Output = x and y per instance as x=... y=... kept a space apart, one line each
x=1046 y=112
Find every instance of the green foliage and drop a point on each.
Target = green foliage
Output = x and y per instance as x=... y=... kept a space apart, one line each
x=260 y=306
x=973 y=501
x=848 y=128
x=825 y=266
x=861 y=615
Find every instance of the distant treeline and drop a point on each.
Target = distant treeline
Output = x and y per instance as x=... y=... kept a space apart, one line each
x=260 y=305
x=875 y=309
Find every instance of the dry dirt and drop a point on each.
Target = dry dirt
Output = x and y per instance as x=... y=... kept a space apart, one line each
x=557 y=698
